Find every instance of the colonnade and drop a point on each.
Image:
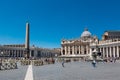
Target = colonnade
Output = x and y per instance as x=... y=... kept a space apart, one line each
x=74 y=49
x=110 y=51
x=12 y=53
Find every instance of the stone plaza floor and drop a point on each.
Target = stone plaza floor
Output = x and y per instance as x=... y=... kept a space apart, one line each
x=71 y=71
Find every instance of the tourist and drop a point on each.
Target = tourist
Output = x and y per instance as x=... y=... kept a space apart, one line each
x=63 y=63
x=94 y=63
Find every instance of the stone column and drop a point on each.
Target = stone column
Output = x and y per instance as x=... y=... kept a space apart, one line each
x=68 y=50
x=13 y=53
x=82 y=50
x=73 y=50
x=22 y=53
x=117 y=51
x=65 y=50
x=107 y=52
x=87 y=49
x=103 y=52
x=90 y=53
x=79 y=49
x=62 y=50
x=19 y=53
x=114 y=51
x=8 y=53
x=110 y=52
x=30 y=53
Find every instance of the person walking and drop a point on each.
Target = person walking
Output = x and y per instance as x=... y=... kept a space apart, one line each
x=94 y=63
x=63 y=63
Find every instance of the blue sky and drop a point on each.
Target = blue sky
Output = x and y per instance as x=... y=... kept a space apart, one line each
x=52 y=20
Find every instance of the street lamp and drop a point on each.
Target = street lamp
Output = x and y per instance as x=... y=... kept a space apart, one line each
x=96 y=53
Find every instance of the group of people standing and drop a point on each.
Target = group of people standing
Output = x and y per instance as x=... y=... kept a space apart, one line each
x=111 y=59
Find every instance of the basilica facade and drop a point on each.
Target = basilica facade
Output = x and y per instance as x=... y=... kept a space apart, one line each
x=87 y=45
x=78 y=47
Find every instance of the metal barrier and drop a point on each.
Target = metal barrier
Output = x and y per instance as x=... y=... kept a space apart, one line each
x=36 y=62
x=8 y=65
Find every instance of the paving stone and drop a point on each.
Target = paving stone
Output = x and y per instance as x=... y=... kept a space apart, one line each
x=71 y=71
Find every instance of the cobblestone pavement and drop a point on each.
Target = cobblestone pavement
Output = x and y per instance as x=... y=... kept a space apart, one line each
x=71 y=71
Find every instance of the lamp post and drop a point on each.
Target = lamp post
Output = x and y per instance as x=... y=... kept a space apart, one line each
x=95 y=52
x=94 y=55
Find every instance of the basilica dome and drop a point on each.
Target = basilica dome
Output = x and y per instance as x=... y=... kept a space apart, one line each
x=86 y=33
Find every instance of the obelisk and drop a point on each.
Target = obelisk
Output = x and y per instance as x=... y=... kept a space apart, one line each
x=27 y=54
